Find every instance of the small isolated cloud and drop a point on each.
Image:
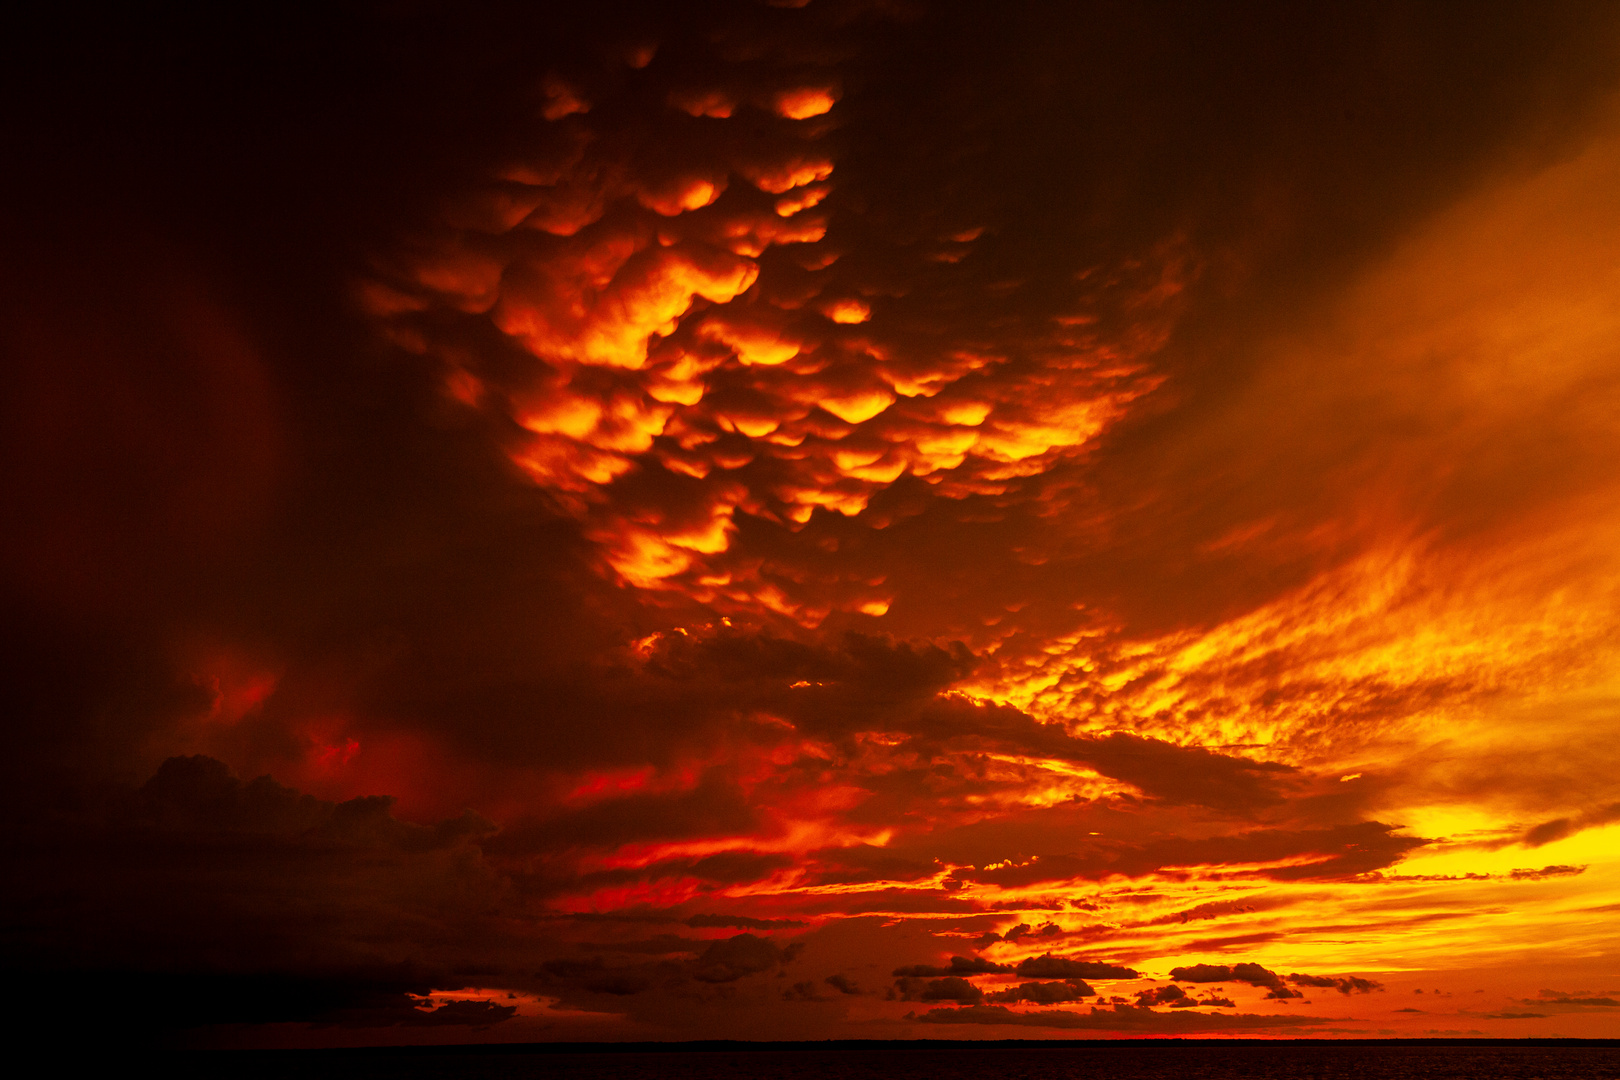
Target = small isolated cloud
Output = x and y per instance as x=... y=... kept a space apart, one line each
x=959 y=965
x=842 y=983
x=745 y=954
x=949 y=988
x=1171 y=995
x=1545 y=872
x=1253 y=974
x=461 y=1013
x=1047 y=966
x=802 y=991
x=1346 y=985
x=1043 y=993
x=740 y=922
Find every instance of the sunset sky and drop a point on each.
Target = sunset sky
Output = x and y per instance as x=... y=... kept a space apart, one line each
x=775 y=520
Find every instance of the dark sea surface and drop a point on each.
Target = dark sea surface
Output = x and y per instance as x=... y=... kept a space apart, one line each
x=1153 y=1060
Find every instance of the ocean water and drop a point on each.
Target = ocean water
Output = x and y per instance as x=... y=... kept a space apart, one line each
x=1155 y=1060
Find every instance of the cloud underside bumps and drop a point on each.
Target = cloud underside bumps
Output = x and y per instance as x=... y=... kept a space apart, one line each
x=799 y=521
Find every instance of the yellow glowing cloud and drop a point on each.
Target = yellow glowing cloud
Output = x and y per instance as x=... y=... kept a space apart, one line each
x=1475 y=562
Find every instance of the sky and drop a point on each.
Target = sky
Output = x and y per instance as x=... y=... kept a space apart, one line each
x=851 y=519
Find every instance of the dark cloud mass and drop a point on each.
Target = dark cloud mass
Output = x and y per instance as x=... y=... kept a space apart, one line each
x=1047 y=966
x=1255 y=975
x=1129 y=1018
x=1348 y=985
x=1046 y=993
x=731 y=519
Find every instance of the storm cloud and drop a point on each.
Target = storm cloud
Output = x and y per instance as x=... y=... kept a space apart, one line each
x=734 y=519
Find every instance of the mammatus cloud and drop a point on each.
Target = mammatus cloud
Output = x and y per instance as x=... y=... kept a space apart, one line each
x=762 y=521
x=669 y=298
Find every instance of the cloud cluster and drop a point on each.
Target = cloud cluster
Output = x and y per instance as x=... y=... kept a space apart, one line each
x=668 y=296
x=689 y=513
x=248 y=902
x=1256 y=975
x=721 y=962
x=1120 y=1018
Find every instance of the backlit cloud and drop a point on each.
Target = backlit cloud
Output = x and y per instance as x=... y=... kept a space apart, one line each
x=803 y=521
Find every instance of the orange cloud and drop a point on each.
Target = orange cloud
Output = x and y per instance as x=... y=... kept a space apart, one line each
x=1097 y=529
